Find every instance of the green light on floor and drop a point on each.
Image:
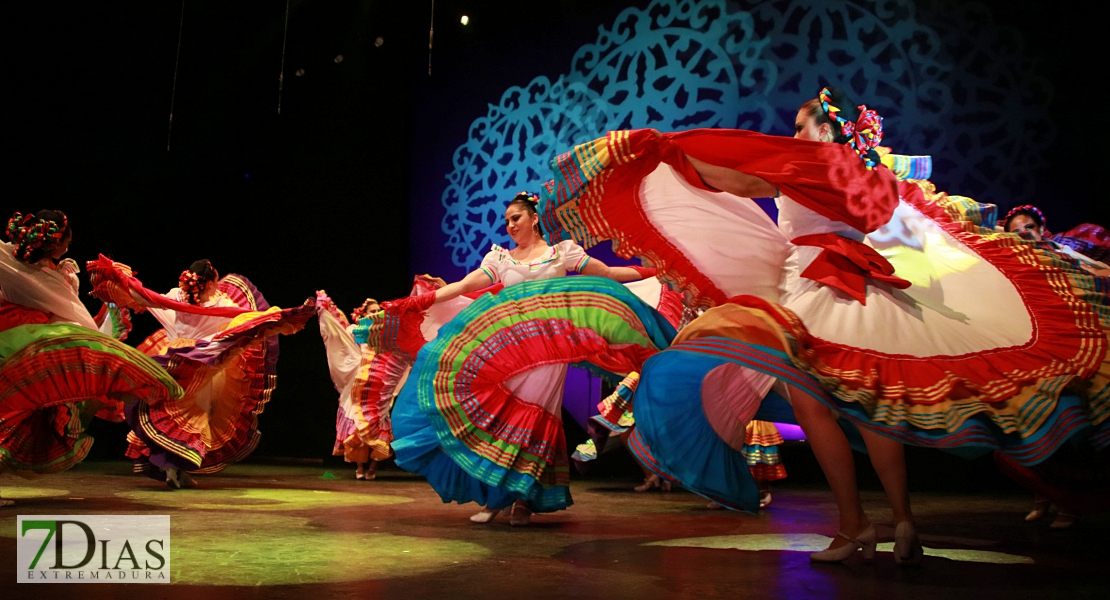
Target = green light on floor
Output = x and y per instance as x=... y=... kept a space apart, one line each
x=259 y=499
x=811 y=542
x=17 y=493
x=257 y=549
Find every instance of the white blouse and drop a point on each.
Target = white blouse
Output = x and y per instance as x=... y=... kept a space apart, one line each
x=190 y=326
x=565 y=256
x=43 y=287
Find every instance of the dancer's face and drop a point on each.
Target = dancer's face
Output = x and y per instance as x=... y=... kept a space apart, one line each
x=210 y=288
x=57 y=252
x=1026 y=227
x=520 y=224
x=806 y=128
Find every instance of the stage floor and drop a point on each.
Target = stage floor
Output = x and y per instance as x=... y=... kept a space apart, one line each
x=263 y=531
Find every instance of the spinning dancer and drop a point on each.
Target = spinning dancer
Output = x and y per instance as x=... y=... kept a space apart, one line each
x=56 y=370
x=219 y=342
x=886 y=331
x=366 y=381
x=1028 y=221
x=485 y=425
x=1063 y=474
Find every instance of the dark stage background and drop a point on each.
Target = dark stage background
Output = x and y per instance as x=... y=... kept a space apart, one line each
x=348 y=188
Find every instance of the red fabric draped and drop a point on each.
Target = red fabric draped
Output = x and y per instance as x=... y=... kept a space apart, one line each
x=846 y=265
x=14 y=315
x=113 y=283
x=827 y=178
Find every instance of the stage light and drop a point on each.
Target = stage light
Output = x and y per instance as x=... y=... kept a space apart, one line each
x=464 y=20
x=378 y=42
x=299 y=73
x=338 y=58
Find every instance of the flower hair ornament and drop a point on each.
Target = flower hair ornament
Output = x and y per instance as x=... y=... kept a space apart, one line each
x=362 y=311
x=1027 y=208
x=189 y=282
x=30 y=233
x=528 y=197
x=864 y=135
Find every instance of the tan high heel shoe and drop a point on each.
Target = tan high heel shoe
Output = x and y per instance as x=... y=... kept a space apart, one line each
x=865 y=540
x=521 y=514
x=907 y=548
x=1040 y=510
x=1063 y=520
x=485 y=515
x=652 y=482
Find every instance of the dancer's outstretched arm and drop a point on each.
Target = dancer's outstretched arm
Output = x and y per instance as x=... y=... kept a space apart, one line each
x=733 y=181
x=474 y=281
x=622 y=274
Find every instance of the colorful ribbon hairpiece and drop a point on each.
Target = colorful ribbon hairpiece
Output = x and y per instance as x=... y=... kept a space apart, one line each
x=30 y=233
x=1027 y=208
x=189 y=282
x=359 y=312
x=533 y=198
x=864 y=135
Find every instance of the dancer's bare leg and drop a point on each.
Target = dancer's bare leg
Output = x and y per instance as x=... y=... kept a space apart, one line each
x=831 y=448
x=888 y=456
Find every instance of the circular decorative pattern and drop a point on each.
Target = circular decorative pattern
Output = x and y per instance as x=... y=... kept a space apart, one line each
x=682 y=64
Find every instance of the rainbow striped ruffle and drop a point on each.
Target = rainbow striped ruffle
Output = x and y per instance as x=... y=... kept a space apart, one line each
x=243 y=359
x=673 y=436
x=761 y=449
x=459 y=426
x=53 y=379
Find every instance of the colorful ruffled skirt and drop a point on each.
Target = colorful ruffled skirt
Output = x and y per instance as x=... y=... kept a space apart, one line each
x=54 y=378
x=227 y=380
x=996 y=344
x=478 y=417
x=366 y=381
x=761 y=449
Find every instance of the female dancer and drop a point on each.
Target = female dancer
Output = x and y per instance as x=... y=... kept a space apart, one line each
x=1028 y=222
x=56 y=370
x=530 y=415
x=366 y=381
x=218 y=339
x=815 y=305
x=830 y=445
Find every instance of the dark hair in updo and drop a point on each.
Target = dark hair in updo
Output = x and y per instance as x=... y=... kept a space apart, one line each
x=193 y=281
x=838 y=98
x=1030 y=211
x=204 y=270
x=31 y=234
x=528 y=202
